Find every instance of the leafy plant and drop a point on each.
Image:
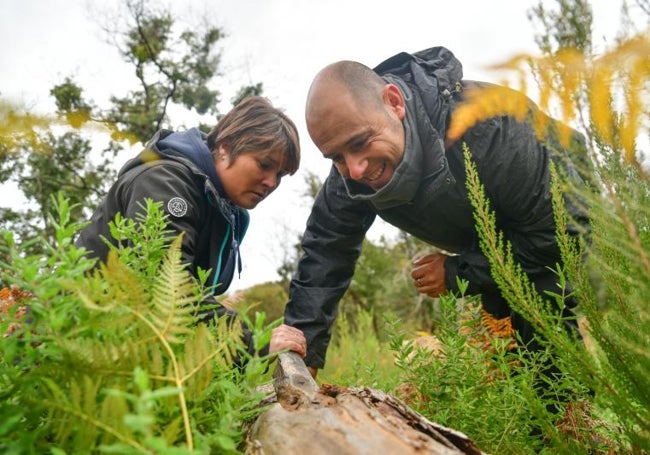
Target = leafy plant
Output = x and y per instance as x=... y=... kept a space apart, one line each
x=358 y=355
x=603 y=96
x=109 y=358
x=470 y=383
x=616 y=370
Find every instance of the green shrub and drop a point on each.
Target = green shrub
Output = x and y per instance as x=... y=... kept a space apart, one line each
x=358 y=357
x=468 y=386
x=110 y=359
x=267 y=298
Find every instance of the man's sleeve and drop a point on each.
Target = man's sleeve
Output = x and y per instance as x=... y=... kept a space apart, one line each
x=331 y=246
x=514 y=168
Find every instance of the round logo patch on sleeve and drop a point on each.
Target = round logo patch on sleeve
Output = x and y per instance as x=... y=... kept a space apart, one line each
x=177 y=207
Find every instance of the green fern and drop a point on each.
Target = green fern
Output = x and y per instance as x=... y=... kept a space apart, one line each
x=112 y=360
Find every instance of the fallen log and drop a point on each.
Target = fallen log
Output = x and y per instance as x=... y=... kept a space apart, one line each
x=307 y=419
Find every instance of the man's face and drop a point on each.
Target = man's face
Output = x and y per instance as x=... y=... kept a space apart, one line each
x=365 y=142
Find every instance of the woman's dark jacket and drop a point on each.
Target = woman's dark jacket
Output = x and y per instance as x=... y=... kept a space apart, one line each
x=512 y=165
x=176 y=169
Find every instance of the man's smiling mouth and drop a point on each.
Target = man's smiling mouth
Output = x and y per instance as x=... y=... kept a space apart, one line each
x=376 y=175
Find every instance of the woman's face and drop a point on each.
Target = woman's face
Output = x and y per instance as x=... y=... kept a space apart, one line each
x=251 y=176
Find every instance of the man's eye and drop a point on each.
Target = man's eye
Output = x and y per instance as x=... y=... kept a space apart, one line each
x=358 y=145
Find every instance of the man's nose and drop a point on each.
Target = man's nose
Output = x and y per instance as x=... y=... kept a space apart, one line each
x=356 y=167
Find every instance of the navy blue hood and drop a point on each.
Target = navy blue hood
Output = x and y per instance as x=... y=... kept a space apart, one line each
x=191 y=144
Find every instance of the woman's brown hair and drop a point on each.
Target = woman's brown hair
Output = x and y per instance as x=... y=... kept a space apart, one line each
x=254 y=125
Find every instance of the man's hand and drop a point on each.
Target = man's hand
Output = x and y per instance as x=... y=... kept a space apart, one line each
x=429 y=274
x=287 y=337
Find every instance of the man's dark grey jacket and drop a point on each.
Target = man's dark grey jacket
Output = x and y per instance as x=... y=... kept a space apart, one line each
x=429 y=200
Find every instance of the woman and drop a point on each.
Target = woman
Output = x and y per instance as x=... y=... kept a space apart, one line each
x=206 y=184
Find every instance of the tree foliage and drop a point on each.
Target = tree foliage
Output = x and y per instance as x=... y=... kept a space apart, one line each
x=171 y=66
x=73 y=149
x=567 y=26
x=42 y=166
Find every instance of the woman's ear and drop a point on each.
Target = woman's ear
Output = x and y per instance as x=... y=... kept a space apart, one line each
x=223 y=152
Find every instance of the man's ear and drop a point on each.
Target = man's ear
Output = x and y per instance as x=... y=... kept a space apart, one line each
x=394 y=100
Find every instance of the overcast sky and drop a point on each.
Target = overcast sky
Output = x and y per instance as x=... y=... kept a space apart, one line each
x=281 y=43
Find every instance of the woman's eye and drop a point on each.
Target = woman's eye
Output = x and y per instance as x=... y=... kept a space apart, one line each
x=265 y=165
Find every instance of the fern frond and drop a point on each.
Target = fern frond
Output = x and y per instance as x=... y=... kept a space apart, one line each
x=108 y=356
x=197 y=362
x=173 y=300
x=169 y=317
x=74 y=416
x=114 y=287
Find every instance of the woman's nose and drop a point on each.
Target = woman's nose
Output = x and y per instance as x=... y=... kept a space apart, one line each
x=271 y=180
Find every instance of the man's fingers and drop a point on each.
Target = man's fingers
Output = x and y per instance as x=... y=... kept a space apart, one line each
x=424 y=259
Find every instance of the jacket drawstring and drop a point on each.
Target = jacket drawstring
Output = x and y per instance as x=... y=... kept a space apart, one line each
x=231 y=232
x=217 y=272
x=235 y=246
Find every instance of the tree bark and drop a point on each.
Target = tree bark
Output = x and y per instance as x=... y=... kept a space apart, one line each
x=307 y=420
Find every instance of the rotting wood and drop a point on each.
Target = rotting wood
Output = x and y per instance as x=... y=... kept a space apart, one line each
x=307 y=420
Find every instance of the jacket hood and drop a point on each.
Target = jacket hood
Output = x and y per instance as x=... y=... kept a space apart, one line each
x=437 y=75
x=187 y=145
x=191 y=145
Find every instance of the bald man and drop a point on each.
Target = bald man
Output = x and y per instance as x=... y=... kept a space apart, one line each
x=384 y=131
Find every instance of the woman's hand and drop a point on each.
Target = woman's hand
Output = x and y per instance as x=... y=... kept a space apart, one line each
x=429 y=274
x=287 y=337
